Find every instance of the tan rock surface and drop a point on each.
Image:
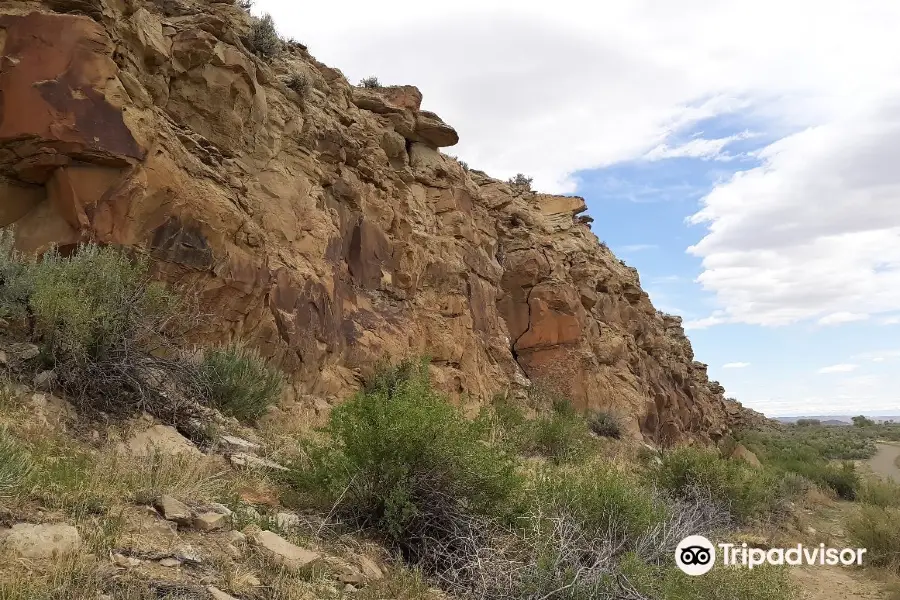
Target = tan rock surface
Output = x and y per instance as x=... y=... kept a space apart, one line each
x=328 y=233
x=40 y=541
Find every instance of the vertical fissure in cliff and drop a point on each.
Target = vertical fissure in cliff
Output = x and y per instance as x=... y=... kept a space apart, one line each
x=512 y=348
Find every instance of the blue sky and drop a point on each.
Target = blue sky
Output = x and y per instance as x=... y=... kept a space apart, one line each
x=742 y=155
x=642 y=209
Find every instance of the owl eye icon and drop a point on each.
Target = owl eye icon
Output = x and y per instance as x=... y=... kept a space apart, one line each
x=695 y=555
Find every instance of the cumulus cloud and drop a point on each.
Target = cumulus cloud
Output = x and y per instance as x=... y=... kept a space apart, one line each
x=840 y=368
x=814 y=231
x=736 y=365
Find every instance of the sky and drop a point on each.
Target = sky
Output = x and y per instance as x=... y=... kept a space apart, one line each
x=743 y=155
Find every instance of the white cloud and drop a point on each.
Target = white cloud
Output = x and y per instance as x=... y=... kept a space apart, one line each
x=891 y=321
x=814 y=232
x=839 y=318
x=841 y=368
x=697 y=148
x=736 y=365
x=717 y=318
x=551 y=88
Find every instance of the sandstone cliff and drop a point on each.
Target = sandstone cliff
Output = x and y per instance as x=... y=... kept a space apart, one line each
x=320 y=220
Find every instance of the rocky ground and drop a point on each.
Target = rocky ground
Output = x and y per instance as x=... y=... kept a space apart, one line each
x=133 y=510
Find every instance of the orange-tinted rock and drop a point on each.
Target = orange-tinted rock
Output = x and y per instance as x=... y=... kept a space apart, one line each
x=54 y=74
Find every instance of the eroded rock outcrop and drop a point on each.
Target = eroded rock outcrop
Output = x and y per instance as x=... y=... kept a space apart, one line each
x=324 y=227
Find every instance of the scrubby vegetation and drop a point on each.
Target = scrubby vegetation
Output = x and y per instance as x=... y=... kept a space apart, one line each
x=114 y=339
x=371 y=83
x=877 y=528
x=238 y=382
x=402 y=461
x=456 y=499
x=263 y=39
x=811 y=451
x=299 y=83
x=745 y=491
x=605 y=424
x=521 y=182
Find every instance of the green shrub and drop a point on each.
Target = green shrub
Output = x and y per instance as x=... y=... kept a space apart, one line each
x=402 y=461
x=861 y=421
x=112 y=336
x=879 y=492
x=605 y=424
x=13 y=285
x=599 y=499
x=15 y=465
x=239 y=383
x=877 y=529
x=748 y=492
x=560 y=436
x=520 y=182
x=89 y=305
x=808 y=422
x=371 y=83
x=721 y=583
x=263 y=39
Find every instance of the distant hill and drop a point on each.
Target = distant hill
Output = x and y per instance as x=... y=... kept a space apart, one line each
x=838 y=419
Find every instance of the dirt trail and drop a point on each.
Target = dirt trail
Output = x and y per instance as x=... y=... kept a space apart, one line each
x=884 y=461
x=840 y=583
x=836 y=583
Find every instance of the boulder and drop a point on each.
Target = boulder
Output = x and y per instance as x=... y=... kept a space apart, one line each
x=40 y=541
x=288 y=555
x=162 y=439
x=740 y=452
x=173 y=510
x=434 y=132
x=210 y=521
x=243 y=459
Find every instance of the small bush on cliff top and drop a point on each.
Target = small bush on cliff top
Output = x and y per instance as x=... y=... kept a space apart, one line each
x=239 y=383
x=370 y=83
x=263 y=39
x=405 y=463
x=521 y=182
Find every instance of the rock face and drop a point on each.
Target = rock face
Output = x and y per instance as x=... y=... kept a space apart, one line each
x=326 y=230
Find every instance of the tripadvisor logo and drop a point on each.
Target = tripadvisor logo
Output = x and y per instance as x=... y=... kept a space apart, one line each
x=696 y=555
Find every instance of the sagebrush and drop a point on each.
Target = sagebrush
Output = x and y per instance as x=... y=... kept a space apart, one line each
x=238 y=382
x=263 y=39
x=401 y=461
